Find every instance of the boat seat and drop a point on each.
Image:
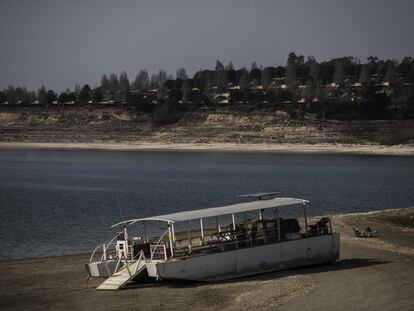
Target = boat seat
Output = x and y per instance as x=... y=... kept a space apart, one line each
x=181 y=243
x=196 y=241
x=320 y=227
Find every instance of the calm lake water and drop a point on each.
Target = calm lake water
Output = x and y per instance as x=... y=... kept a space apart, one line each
x=55 y=202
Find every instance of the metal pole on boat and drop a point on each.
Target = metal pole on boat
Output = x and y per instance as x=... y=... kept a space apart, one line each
x=330 y=225
x=173 y=232
x=170 y=238
x=246 y=228
x=126 y=248
x=202 y=230
x=189 y=235
x=145 y=231
x=261 y=214
x=234 y=229
x=306 y=219
x=278 y=224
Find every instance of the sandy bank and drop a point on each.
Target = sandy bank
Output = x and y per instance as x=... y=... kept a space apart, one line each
x=372 y=274
x=401 y=150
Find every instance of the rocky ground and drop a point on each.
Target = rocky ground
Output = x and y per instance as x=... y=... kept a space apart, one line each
x=372 y=274
x=114 y=125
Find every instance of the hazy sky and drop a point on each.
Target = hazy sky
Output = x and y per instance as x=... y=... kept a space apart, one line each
x=60 y=43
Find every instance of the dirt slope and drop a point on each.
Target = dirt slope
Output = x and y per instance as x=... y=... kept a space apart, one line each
x=60 y=124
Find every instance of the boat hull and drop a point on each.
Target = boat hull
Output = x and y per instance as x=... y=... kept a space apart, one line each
x=249 y=261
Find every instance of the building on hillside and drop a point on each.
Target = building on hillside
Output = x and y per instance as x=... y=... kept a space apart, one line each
x=222 y=98
x=356 y=85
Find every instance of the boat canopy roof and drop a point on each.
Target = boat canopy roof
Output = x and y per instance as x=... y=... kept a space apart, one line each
x=258 y=195
x=217 y=211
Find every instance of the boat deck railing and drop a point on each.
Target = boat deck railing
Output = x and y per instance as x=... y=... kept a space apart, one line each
x=105 y=248
x=230 y=239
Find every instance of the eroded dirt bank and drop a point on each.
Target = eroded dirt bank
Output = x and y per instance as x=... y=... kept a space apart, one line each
x=219 y=126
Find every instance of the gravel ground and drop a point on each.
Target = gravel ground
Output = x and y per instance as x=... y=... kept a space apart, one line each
x=372 y=274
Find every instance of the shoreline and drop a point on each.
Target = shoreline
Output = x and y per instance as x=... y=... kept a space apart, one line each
x=395 y=150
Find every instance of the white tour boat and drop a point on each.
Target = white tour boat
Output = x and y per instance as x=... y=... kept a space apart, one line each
x=215 y=244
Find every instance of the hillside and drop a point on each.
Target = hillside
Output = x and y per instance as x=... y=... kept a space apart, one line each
x=110 y=125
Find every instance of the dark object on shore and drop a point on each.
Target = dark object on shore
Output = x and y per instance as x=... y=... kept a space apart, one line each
x=367 y=233
x=321 y=227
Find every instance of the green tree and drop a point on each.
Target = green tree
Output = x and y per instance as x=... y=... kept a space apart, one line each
x=270 y=96
x=41 y=95
x=113 y=82
x=390 y=71
x=3 y=97
x=186 y=88
x=181 y=73
x=124 y=84
x=280 y=72
x=219 y=65
x=255 y=75
x=327 y=70
x=221 y=79
x=141 y=81
x=314 y=72
x=159 y=78
x=97 y=95
x=339 y=71
x=243 y=83
x=62 y=98
x=266 y=78
x=236 y=96
x=229 y=66
x=291 y=70
x=284 y=95
x=50 y=97
x=365 y=74
x=105 y=84
x=85 y=94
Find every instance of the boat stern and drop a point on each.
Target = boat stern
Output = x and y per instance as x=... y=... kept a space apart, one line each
x=101 y=269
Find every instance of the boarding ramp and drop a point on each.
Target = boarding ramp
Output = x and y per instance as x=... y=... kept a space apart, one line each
x=127 y=273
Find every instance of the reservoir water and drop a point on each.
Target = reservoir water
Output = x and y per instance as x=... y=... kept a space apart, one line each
x=55 y=202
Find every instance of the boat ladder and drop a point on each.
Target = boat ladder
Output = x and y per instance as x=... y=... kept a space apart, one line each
x=122 y=276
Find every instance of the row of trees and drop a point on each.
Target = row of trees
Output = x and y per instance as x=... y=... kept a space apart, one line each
x=145 y=89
